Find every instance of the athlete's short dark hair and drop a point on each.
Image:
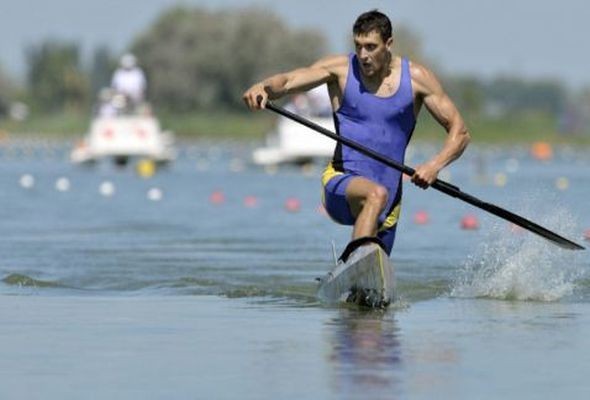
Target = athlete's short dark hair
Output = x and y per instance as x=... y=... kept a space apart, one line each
x=373 y=21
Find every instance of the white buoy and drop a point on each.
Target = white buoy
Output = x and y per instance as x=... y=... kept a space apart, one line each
x=107 y=189
x=62 y=184
x=27 y=181
x=155 y=194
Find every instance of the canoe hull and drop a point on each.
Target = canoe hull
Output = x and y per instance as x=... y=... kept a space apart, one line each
x=365 y=279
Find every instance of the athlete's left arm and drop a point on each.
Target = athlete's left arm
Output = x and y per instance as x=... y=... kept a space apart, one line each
x=430 y=92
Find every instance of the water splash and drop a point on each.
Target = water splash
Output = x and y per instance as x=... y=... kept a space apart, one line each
x=517 y=265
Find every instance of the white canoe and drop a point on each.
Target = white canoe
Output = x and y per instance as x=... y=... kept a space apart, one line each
x=366 y=278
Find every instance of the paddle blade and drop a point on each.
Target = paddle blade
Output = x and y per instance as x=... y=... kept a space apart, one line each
x=530 y=226
x=533 y=227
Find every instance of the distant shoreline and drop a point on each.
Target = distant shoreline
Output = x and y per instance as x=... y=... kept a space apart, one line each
x=244 y=126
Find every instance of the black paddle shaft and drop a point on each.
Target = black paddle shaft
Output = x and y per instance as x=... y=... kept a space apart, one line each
x=438 y=184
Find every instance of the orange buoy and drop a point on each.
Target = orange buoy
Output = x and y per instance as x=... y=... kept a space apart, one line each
x=250 y=201
x=292 y=204
x=469 y=222
x=421 y=218
x=587 y=235
x=542 y=151
x=217 y=197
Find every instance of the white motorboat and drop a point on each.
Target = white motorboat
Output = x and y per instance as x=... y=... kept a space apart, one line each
x=121 y=137
x=294 y=143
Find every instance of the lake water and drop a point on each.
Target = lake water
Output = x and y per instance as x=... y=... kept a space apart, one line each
x=200 y=283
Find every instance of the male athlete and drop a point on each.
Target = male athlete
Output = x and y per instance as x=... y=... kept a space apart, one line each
x=376 y=97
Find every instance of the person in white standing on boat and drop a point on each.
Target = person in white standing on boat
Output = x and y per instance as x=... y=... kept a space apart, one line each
x=129 y=80
x=376 y=96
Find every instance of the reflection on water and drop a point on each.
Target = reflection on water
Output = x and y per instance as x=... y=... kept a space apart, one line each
x=432 y=349
x=364 y=352
x=375 y=354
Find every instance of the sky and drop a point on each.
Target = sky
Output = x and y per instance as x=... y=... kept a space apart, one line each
x=530 y=38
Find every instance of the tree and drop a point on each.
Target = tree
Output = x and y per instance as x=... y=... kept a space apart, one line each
x=55 y=78
x=101 y=70
x=468 y=93
x=517 y=95
x=408 y=43
x=6 y=90
x=196 y=58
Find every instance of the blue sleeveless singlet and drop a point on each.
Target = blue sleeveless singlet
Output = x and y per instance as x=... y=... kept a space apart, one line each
x=383 y=124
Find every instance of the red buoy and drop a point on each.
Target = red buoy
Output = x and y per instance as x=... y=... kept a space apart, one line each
x=292 y=204
x=587 y=234
x=421 y=218
x=469 y=222
x=250 y=201
x=217 y=197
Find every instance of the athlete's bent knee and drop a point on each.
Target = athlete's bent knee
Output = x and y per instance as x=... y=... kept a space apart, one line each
x=378 y=196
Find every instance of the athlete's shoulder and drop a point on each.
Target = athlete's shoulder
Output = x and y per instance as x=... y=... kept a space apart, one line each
x=420 y=72
x=423 y=78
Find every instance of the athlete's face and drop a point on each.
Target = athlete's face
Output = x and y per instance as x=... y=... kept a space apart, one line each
x=372 y=52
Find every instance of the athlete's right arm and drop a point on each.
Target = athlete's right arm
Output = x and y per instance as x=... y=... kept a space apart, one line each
x=297 y=80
